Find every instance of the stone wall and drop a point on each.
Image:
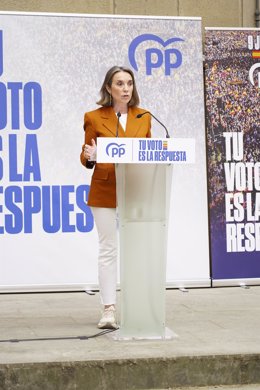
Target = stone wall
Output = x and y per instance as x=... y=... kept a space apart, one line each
x=214 y=13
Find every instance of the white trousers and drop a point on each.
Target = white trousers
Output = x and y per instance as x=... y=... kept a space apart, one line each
x=106 y=223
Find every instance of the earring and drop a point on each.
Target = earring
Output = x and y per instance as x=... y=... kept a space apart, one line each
x=110 y=100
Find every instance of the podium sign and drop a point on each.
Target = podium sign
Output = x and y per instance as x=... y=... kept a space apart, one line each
x=146 y=150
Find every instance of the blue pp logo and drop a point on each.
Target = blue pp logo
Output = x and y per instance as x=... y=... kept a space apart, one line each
x=170 y=57
x=115 y=150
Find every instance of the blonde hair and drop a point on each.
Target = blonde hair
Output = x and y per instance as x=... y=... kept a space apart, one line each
x=106 y=98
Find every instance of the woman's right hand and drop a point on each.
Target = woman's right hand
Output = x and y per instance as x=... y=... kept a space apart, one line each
x=90 y=151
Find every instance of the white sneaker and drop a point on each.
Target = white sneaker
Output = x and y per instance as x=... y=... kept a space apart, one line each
x=108 y=320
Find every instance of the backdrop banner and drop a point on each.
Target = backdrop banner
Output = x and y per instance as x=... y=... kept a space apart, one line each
x=52 y=67
x=233 y=136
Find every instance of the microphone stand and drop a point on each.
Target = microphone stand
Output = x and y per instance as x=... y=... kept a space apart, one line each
x=118 y=114
x=148 y=112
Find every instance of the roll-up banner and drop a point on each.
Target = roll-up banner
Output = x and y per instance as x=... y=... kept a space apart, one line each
x=232 y=72
x=52 y=67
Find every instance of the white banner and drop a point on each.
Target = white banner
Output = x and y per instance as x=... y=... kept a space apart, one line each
x=51 y=70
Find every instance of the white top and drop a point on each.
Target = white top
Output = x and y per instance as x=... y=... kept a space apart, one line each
x=123 y=120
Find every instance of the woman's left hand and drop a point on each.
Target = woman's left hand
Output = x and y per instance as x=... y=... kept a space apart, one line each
x=90 y=151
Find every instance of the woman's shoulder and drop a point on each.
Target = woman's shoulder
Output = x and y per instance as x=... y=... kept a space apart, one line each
x=134 y=111
x=138 y=110
x=96 y=115
x=97 y=111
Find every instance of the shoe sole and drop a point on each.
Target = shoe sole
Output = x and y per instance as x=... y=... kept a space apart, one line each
x=108 y=326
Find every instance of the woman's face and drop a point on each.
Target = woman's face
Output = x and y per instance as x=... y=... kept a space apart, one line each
x=121 y=88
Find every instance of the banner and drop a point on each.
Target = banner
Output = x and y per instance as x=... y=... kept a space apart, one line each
x=51 y=70
x=232 y=72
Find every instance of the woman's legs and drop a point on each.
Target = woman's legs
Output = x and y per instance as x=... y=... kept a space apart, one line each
x=105 y=220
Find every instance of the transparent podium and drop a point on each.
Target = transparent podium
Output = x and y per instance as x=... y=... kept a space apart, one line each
x=143 y=176
x=143 y=196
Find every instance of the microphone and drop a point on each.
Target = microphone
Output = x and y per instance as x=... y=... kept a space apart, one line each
x=118 y=114
x=148 y=112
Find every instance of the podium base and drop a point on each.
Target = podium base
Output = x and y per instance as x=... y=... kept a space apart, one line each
x=117 y=336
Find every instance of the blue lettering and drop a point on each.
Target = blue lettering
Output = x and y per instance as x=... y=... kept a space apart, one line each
x=67 y=207
x=149 y=64
x=84 y=221
x=31 y=160
x=54 y=204
x=14 y=221
x=15 y=88
x=141 y=155
x=170 y=65
x=13 y=174
x=154 y=144
x=117 y=151
x=153 y=64
x=3 y=107
x=51 y=209
x=142 y=144
x=32 y=106
x=32 y=205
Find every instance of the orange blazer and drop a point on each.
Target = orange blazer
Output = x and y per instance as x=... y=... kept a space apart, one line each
x=102 y=123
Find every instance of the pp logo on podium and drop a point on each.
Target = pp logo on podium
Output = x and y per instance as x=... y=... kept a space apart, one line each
x=115 y=150
x=170 y=58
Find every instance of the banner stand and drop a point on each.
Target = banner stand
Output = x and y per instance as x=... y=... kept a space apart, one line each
x=232 y=82
x=43 y=196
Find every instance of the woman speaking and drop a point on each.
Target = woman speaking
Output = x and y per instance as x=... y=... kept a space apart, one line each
x=116 y=117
